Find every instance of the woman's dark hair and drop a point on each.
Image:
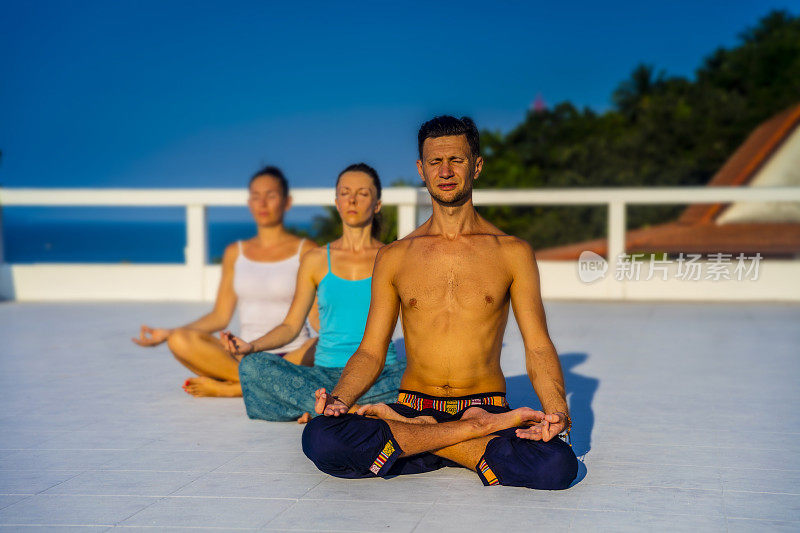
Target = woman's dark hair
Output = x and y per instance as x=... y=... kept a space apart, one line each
x=377 y=220
x=446 y=125
x=276 y=173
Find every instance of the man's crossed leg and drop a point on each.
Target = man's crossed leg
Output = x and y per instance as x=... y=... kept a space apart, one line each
x=398 y=439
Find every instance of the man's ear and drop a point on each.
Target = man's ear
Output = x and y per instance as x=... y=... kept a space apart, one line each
x=478 y=167
x=288 y=203
x=419 y=170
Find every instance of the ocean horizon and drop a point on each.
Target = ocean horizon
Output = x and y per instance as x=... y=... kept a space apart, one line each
x=140 y=242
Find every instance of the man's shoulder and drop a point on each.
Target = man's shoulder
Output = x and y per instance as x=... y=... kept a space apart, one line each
x=516 y=248
x=392 y=251
x=514 y=245
x=517 y=253
x=508 y=243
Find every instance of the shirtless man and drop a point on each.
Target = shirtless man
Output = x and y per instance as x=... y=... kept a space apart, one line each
x=453 y=279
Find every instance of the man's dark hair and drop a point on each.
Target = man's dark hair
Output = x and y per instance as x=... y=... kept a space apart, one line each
x=377 y=220
x=276 y=173
x=446 y=125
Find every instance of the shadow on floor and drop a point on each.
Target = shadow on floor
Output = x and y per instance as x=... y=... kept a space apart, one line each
x=580 y=393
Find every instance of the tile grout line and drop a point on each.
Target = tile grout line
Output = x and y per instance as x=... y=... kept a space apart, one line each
x=56 y=525
x=425 y=514
x=428 y=511
x=762 y=519
x=226 y=462
x=296 y=501
x=210 y=528
x=270 y=520
x=155 y=501
x=26 y=498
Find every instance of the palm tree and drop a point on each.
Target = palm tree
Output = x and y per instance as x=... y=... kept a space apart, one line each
x=631 y=93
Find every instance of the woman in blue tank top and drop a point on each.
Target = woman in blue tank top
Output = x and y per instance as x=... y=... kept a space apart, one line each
x=339 y=275
x=343 y=308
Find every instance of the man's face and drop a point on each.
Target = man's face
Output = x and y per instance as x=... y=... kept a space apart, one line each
x=448 y=168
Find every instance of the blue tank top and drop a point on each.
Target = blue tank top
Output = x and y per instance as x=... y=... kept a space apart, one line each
x=343 y=308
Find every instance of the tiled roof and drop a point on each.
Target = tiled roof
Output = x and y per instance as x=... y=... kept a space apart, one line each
x=740 y=168
x=694 y=231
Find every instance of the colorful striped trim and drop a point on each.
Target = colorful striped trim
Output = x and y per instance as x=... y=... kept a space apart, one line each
x=488 y=475
x=387 y=452
x=448 y=406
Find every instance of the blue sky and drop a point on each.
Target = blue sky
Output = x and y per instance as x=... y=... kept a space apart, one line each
x=200 y=94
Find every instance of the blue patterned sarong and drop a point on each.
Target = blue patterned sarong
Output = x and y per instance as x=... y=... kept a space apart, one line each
x=277 y=390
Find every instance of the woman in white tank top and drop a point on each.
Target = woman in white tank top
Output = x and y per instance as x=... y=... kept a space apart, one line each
x=258 y=276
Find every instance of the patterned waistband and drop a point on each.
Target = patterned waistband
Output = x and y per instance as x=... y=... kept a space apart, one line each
x=449 y=405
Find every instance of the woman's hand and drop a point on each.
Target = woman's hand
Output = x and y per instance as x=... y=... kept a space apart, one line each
x=234 y=345
x=150 y=337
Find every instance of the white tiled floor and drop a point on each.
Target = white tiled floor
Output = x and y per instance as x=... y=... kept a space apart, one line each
x=686 y=416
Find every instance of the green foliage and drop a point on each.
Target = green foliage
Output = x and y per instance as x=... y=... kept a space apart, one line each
x=662 y=131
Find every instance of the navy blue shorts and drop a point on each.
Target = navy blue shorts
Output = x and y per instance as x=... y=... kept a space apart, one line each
x=353 y=446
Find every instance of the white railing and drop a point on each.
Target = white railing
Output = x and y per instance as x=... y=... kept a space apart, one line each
x=16 y=280
x=195 y=201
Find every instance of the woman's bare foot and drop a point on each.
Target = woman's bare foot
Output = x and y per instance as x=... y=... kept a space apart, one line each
x=304 y=418
x=384 y=412
x=205 y=386
x=492 y=422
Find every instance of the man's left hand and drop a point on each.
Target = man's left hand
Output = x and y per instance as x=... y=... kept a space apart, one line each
x=329 y=405
x=552 y=425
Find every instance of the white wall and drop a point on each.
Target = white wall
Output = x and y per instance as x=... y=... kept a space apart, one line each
x=778 y=280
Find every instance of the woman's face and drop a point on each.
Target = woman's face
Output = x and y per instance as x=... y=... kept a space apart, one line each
x=266 y=201
x=357 y=199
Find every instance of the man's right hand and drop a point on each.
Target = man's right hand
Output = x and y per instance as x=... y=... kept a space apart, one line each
x=326 y=404
x=149 y=337
x=234 y=345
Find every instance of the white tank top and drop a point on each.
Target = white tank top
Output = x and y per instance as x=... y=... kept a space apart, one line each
x=265 y=291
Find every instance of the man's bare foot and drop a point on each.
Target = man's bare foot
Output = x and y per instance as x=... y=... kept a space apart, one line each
x=384 y=412
x=205 y=386
x=492 y=422
x=304 y=418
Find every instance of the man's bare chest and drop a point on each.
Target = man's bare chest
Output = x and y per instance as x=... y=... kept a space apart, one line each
x=445 y=281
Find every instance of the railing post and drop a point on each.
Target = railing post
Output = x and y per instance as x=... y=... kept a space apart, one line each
x=196 y=246
x=616 y=241
x=407 y=215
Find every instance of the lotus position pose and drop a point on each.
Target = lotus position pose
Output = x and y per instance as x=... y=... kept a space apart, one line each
x=259 y=274
x=339 y=275
x=452 y=279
